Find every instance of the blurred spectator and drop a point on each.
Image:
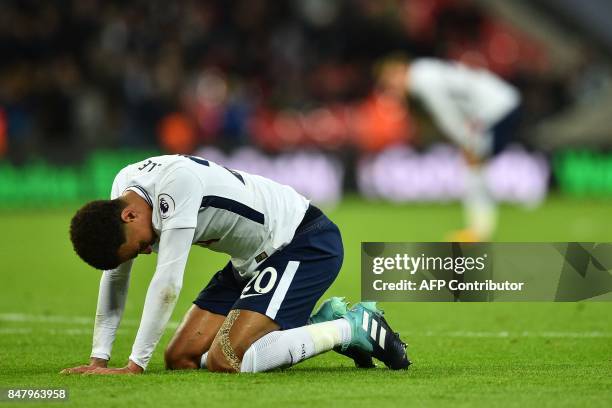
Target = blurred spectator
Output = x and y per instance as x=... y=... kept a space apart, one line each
x=80 y=74
x=176 y=134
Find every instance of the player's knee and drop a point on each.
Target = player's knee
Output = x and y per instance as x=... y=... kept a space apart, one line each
x=222 y=356
x=217 y=361
x=175 y=360
x=181 y=364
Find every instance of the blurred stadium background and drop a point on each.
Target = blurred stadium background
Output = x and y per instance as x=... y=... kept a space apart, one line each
x=285 y=89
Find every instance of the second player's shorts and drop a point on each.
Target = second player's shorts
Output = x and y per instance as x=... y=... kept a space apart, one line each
x=504 y=132
x=288 y=283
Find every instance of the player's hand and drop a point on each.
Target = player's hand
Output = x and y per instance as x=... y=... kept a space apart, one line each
x=472 y=159
x=131 y=368
x=94 y=364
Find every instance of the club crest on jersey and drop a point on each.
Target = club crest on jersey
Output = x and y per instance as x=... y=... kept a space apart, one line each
x=166 y=206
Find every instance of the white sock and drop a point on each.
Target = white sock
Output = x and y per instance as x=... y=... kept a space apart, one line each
x=480 y=208
x=203 y=360
x=289 y=347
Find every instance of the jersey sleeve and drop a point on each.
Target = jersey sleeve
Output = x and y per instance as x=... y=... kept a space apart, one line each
x=449 y=118
x=428 y=82
x=119 y=184
x=179 y=198
x=112 y=294
x=163 y=292
x=111 y=303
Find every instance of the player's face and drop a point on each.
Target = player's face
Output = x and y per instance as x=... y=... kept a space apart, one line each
x=139 y=236
x=392 y=78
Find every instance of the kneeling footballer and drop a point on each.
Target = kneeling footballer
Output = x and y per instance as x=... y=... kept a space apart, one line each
x=254 y=314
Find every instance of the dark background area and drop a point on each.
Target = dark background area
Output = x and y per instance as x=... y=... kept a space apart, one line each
x=281 y=75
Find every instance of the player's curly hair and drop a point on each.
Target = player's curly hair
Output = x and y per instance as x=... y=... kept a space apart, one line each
x=97 y=232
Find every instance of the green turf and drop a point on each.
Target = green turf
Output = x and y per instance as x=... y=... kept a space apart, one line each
x=520 y=354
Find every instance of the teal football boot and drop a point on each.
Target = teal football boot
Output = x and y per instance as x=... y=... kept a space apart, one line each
x=335 y=308
x=372 y=334
x=332 y=309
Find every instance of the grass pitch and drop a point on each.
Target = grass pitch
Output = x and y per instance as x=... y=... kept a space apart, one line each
x=502 y=354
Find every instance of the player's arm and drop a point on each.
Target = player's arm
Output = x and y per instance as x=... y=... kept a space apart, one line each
x=181 y=192
x=112 y=295
x=468 y=135
x=161 y=298
x=111 y=304
x=452 y=122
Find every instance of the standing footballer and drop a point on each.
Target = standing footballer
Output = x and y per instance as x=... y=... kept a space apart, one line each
x=474 y=108
x=254 y=314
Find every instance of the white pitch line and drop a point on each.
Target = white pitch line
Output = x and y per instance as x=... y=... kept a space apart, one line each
x=15 y=330
x=88 y=321
x=28 y=318
x=52 y=332
x=75 y=320
x=464 y=334
x=506 y=334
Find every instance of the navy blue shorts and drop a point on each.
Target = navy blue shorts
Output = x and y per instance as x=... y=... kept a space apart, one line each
x=505 y=131
x=288 y=284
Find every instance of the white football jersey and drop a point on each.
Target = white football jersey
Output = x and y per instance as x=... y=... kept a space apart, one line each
x=246 y=216
x=465 y=102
